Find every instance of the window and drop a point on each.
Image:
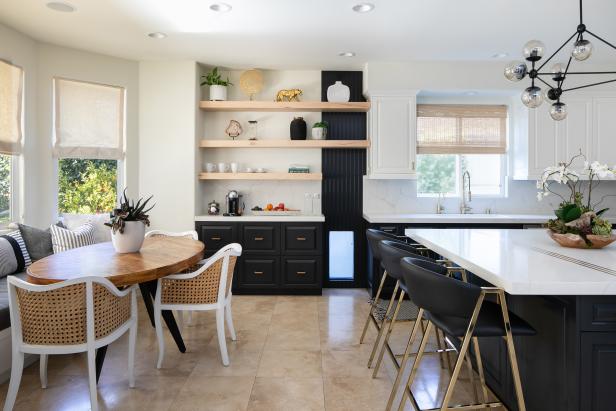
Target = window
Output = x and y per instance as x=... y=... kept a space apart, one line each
x=89 y=145
x=453 y=139
x=11 y=137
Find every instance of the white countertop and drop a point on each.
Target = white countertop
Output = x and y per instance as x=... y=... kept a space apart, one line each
x=263 y=218
x=457 y=218
x=524 y=261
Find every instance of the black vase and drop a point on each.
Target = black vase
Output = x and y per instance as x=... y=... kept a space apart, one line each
x=298 y=129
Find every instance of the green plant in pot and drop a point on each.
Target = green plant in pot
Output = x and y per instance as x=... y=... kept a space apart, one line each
x=578 y=223
x=319 y=130
x=218 y=86
x=128 y=223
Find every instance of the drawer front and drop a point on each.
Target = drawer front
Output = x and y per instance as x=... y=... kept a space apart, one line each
x=302 y=272
x=262 y=239
x=216 y=236
x=258 y=272
x=598 y=313
x=302 y=239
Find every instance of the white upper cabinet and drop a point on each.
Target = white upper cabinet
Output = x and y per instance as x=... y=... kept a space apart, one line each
x=590 y=128
x=393 y=133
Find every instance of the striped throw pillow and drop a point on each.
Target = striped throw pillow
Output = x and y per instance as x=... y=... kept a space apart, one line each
x=21 y=252
x=63 y=239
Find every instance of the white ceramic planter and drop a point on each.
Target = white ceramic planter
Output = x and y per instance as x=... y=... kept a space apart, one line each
x=319 y=133
x=218 y=93
x=131 y=240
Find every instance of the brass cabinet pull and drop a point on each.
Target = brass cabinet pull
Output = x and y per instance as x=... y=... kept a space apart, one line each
x=258 y=238
x=301 y=238
x=216 y=238
x=301 y=273
x=258 y=272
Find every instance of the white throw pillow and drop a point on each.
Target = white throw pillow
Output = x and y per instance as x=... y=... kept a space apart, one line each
x=102 y=233
x=63 y=239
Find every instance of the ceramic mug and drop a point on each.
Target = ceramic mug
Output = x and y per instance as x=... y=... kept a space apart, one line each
x=235 y=167
x=248 y=170
x=223 y=167
x=210 y=167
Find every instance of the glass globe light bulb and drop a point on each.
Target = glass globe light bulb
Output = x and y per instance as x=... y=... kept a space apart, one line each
x=582 y=50
x=515 y=71
x=558 y=111
x=534 y=50
x=558 y=70
x=532 y=97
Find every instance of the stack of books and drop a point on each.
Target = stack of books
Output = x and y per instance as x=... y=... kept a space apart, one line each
x=294 y=168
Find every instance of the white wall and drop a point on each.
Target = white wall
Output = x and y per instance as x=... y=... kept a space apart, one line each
x=454 y=79
x=167 y=128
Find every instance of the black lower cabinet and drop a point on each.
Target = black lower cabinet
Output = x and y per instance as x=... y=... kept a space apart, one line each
x=277 y=258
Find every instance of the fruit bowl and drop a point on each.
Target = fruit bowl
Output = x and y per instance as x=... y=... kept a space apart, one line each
x=576 y=241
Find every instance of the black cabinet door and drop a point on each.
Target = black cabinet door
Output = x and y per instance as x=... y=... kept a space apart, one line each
x=258 y=272
x=216 y=236
x=598 y=363
x=301 y=272
x=261 y=239
x=302 y=239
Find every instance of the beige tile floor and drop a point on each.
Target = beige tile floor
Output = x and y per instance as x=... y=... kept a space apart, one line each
x=292 y=354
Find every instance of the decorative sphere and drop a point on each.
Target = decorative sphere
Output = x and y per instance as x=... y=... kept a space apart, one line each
x=532 y=97
x=515 y=71
x=581 y=50
x=558 y=111
x=534 y=50
x=553 y=94
x=558 y=70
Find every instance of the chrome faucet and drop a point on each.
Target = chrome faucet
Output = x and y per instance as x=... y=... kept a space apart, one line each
x=466 y=194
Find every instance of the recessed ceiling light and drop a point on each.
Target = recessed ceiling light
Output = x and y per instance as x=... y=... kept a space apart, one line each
x=499 y=55
x=346 y=54
x=221 y=7
x=61 y=6
x=157 y=35
x=363 y=7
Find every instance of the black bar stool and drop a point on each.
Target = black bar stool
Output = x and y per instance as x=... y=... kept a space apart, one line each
x=460 y=310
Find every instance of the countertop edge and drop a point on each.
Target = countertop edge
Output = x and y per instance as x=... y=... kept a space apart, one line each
x=455 y=218
x=264 y=219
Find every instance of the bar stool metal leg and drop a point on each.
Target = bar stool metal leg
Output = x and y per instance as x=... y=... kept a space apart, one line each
x=390 y=328
x=479 y=362
x=374 y=304
x=409 y=382
x=383 y=323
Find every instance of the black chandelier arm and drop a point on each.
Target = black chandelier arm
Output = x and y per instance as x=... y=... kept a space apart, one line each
x=559 y=49
x=590 y=85
x=579 y=72
x=581 y=13
x=545 y=82
x=602 y=40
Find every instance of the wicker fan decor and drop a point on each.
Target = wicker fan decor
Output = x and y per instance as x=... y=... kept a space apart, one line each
x=251 y=82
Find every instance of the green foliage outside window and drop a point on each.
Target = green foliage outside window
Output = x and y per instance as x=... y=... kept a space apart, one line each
x=87 y=186
x=436 y=173
x=5 y=188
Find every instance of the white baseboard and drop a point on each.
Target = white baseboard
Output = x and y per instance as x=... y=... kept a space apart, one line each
x=5 y=356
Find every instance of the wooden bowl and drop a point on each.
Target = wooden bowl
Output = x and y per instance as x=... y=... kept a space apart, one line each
x=575 y=241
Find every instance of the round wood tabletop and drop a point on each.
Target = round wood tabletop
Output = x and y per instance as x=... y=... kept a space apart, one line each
x=159 y=256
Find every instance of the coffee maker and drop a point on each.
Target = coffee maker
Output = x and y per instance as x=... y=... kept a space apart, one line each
x=233 y=203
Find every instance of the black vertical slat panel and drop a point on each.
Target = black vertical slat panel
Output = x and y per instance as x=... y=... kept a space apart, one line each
x=343 y=171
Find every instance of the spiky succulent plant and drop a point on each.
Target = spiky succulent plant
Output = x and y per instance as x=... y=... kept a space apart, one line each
x=129 y=211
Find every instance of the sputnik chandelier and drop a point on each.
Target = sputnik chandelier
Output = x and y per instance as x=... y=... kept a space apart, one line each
x=534 y=50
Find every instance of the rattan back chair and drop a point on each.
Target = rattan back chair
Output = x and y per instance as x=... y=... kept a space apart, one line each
x=73 y=316
x=206 y=288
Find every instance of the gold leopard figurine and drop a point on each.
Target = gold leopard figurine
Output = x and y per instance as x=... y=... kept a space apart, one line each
x=290 y=95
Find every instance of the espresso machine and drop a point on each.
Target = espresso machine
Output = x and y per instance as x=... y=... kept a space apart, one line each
x=233 y=201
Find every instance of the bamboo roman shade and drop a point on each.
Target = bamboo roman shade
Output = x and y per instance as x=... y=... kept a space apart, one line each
x=89 y=120
x=11 y=91
x=461 y=129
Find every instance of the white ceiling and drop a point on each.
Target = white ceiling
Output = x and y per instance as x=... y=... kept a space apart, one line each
x=310 y=33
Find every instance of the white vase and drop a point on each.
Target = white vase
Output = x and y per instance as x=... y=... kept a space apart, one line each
x=338 y=93
x=131 y=240
x=218 y=93
x=319 y=133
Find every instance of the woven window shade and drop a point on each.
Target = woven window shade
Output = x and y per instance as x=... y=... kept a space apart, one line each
x=11 y=90
x=89 y=120
x=461 y=129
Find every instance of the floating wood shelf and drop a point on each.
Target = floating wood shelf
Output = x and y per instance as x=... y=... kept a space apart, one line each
x=293 y=106
x=285 y=144
x=262 y=176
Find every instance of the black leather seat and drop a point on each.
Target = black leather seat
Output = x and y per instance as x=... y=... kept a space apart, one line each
x=392 y=252
x=376 y=236
x=449 y=303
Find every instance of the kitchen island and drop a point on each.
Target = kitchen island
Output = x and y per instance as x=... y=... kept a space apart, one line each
x=567 y=295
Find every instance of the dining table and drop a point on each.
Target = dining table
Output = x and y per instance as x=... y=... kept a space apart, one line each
x=159 y=256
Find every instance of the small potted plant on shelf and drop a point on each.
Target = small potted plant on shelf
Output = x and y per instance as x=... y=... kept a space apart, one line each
x=577 y=223
x=128 y=223
x=319 y=130
x=218 y=86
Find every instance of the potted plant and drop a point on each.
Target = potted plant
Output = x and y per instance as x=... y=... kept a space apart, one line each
x=319 y=130
x=128 y=224
x=577 y=223
x=218 y=86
